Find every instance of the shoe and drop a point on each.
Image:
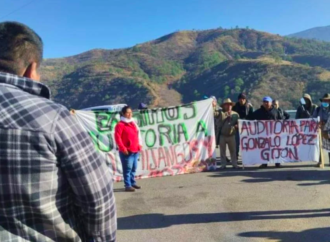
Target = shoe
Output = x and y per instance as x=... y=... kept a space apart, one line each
x=278 y=165
x=129 y=189
x=136 y=187
x=236 y=167
x=222 y=168
x=263 y=166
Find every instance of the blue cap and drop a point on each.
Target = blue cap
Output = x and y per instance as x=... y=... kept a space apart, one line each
x=267 y=99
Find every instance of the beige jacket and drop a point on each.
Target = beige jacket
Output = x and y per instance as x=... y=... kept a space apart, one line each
x=226 y=123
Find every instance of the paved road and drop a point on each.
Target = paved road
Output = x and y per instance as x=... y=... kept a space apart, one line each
x=290 y=204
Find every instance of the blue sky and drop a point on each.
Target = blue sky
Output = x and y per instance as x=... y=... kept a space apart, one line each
x=69 y=27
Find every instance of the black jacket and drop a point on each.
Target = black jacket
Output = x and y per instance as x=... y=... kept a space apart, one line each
x=263 y=114
x=284 y=115
x=243 y=111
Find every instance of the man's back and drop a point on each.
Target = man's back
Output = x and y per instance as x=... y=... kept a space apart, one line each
x=53 y=184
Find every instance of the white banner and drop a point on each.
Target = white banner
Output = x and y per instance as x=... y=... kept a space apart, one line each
x=176 y=140
x=263 y=142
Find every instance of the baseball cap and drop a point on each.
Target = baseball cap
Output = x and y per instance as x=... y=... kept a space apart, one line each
x=267 y=99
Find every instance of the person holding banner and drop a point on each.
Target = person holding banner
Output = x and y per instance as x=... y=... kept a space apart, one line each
x=227 y=128
x=216 y=113
x=127 y=136
x=307 y=108
x=244 y=109
x=266 y=112
x=322 y=113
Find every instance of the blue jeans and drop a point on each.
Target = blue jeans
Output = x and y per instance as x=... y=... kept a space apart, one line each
x=129 y=163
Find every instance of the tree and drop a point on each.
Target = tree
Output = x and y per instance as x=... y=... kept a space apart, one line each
x=237 y=89
x=226 y=91
x=239 y=82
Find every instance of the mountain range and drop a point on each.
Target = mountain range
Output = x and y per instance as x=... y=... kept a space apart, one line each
x=188 y=65
x=318 y=33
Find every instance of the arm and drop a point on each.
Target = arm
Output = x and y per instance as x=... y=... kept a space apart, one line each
x=235 y=108
x=140 y=136
x=280 y=114
x=286 y=115
x=251 y=116
x=119 y=141
x=298 y=113
x=88 y=177
x=315 y=113
x=250 y=110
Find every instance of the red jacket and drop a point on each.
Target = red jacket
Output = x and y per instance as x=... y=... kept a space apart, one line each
x=127 y=137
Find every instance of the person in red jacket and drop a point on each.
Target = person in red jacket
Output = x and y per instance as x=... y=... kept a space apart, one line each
x=127 y=136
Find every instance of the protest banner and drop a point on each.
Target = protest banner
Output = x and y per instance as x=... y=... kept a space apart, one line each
x=176 y=140
x=279 y=141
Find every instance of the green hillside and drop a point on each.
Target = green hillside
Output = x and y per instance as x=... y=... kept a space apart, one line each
x=187 y=65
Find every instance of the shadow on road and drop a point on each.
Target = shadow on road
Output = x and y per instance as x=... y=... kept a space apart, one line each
x=310 y=235
x=119 y=189
x=283 y=174
x=157 y=220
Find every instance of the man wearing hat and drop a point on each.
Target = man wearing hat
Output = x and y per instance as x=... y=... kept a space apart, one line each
x=266 y=112
x=216 y=113
x=322 y=112
x=244 y=109
x=227 y=128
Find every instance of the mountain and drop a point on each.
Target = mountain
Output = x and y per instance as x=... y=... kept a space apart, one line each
x=318 y=33
x=187 y=65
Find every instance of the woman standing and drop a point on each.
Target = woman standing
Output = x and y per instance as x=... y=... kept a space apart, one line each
x=127 y=139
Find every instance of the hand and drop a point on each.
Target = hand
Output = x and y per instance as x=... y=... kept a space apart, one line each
x=126 y=152
x=236 y=126
x=141 y=147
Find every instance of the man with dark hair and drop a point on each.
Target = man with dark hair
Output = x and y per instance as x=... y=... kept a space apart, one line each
x=244 y=109
x=54 y=184
x=20 y=49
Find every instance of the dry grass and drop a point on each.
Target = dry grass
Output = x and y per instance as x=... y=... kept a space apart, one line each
x=325 y=76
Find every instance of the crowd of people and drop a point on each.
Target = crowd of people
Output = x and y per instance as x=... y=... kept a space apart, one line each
x=227 y=115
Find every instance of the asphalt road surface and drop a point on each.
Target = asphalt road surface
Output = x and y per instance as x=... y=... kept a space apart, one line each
x=288 y=204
